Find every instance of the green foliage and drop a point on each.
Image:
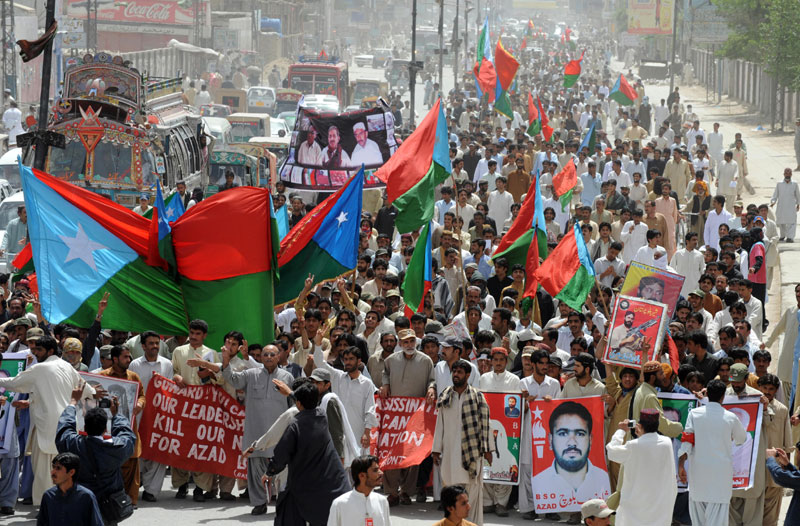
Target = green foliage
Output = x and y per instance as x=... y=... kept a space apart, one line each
x=780 y=47
x=744 y=18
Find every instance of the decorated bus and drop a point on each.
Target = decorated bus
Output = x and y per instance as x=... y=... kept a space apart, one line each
x=124 y=131
x=321 y=76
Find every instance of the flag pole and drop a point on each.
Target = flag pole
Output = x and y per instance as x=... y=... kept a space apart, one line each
x=602 y=301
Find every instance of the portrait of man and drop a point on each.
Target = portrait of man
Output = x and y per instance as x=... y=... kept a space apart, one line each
x=334 y=157
x=310 y=152
x=512 y=411
x=572 y=476
x=366 y=151
x=651 y=288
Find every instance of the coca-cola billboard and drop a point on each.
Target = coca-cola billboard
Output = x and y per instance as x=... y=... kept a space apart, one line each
x=140 y=12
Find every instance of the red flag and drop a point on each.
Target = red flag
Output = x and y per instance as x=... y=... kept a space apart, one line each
x=524 y=44
x=486 y=76
x=547 y=131
x=533 y=114
x=674 y=359
x=505 y=65
x=566 y=179
x=567 y=32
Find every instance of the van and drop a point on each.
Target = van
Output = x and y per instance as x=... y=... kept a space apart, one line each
x=247 y=125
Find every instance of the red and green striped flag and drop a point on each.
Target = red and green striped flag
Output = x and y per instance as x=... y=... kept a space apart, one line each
x=506 y=67
x=534 y=123
x=418 y=166
x=324 y=243
x=226 y=249
x=622 y=92
x=547 y=131
x=419 y=275
x=484 y=72
x=568 y=273
x=572 y=71
x=564 y=183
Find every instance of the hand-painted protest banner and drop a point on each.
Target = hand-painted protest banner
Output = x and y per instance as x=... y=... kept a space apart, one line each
x=654 y=284
x=198 y=428
x=567 y=439
x=326 y=149
x=749 y=412
x=404 y=437
x=13 y=364
x=676 y=407
x=505 y=432
x=126 y=391
x=635 y=333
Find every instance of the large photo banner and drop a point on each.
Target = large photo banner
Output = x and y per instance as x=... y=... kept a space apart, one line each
x=635 y=333
x=13 y=363
x=198 y=428
x=404 y=437
x=325 y=149
x=569 y=462
x=676 y=407
x=654 y=284
x=505 y=432
x=650 y=17
x=126 y=391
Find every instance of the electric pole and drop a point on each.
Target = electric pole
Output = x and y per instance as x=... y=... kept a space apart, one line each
x=674 y=38
x=441 y=44
x=455 y=46
x=412 y=64
x=42 y=138
x=9 y=57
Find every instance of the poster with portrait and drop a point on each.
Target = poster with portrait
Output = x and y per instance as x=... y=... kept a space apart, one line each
x=327 y=149
x=749 y=411
x=13 y=364
x=676 y=407
x=635 y=333
x=126 y=391
x=569 y=462
x=655 y=284
x=505 y=432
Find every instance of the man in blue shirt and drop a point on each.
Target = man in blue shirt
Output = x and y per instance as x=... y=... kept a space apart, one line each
x=68 y=502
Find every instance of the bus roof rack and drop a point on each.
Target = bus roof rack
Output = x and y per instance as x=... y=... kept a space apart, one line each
x=319 y=59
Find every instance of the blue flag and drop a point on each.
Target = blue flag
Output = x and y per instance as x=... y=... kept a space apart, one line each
x=282 y=217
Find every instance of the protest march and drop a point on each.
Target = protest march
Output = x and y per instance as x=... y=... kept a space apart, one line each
x=538 y=288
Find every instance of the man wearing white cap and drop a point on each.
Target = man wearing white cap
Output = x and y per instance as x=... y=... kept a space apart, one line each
x=596 y=512
x=366 y=151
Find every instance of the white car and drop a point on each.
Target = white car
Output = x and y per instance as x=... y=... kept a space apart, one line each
x=322 y=103
x=8 y=211
x=261 y=99
x=363 y=60
x=9 y=169
x=220 y=129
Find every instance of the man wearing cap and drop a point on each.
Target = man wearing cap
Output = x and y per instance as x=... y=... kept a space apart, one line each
x=707 y=443
x=407 y=373
x=646 y=397
x=747 y=506
x=144 y=205
x=537 y=386
x=498 y=380
x=366 y=151
x=105 y=360
x=462 y=436
x=595 y=512
x=649 y=489
x=451 y=351
x=620 y=386
x=71 y=352
x=696 y=298
x=344 y=442
x=583 y=383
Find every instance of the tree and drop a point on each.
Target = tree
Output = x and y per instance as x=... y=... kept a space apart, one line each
x=744 y=18
x=780 y=48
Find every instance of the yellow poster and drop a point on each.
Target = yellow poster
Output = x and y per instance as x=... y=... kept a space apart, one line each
x=650 y=17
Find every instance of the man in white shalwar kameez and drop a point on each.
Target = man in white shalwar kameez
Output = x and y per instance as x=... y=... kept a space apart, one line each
x=787 y=197
x=498 y=380
x=649 y=488
x=458 y=466
x=707 y=444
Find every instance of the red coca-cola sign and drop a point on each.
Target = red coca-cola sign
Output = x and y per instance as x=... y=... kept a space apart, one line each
x=140 y=12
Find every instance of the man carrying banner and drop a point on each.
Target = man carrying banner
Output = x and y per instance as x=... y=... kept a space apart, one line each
x=706 y=442
x=462 y=437
x=263 y=405
x=646 y=397
x=151 y=472
x=747 y=505
x=406 y=373
x=537 y=386
x=498 y=380
x=649 y=489
x=779 y=435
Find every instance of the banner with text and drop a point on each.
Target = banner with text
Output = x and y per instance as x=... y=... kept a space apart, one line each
x=569 y=463
x=404 y=437
x=505 y=432
x=198 y=428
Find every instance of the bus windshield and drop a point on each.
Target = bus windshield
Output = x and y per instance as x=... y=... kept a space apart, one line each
x=68 y=164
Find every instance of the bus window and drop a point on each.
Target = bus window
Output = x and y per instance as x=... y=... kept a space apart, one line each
x=68 y=164
x=112 y=162
x=303 y=83
x=326 y=85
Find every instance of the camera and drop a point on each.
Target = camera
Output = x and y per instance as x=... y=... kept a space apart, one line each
x=104 y=403
x=631 y=424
